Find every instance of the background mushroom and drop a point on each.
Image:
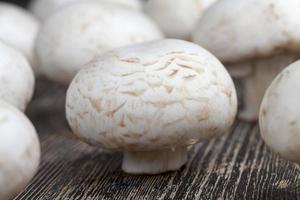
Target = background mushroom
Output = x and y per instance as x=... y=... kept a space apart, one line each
x=254 y=47
x=45 y=8
x=16 y=77
x=151 y=101
x=19 y=28
x=280 y=114
x=177 y=18
x=19 y=151
x=86 y=31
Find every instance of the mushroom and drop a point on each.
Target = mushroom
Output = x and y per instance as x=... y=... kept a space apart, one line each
x=152 y=101
x=86 y=31
x=16 y=77
x=279 y=117
x=19 y=151
x=45 y=8
x=19 y=28
x=255 y=47
x=177 y=18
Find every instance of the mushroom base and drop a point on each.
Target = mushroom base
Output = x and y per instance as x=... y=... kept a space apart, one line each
x=154 y=162
x=256 y=76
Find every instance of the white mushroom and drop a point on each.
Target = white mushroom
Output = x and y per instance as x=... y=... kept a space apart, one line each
x=16 y=77
x=86 y=31
x=279 y=117
x=43 y=9
x=19 y=151
x=19 y=29
x=255 y=47
x=177 y=18
x=152 y=101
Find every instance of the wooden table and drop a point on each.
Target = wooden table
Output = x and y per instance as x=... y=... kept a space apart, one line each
x=236 y=166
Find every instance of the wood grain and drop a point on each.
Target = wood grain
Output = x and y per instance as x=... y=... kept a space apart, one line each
x=235 y=166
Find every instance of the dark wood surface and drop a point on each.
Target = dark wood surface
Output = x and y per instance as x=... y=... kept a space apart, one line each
x=236 y=166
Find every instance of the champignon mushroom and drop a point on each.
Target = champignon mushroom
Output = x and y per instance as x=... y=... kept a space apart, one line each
x=19 y=30
x=86 y=31
x=45 y=8
x=177 y=18
x=255 y=47
x=279 y=117
x=16 y=77
x=152 y=101
x=19 y=151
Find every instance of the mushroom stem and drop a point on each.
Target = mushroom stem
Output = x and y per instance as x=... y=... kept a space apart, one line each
x=257 y=80
x=254 y=89
x=153 y=162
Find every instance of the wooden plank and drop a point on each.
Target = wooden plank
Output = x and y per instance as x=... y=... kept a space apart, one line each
x=236 y=166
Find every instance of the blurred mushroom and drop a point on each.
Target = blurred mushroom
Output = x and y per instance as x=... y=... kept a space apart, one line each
x=16 y=77
x=19 y=29
x=255 y=47
x=19 y=151
x=85 y=31
x=177 y=18
x=279 y=117
x=43 y=9
x=152 y=101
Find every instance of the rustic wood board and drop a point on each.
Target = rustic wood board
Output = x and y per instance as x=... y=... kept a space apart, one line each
x=236 y=166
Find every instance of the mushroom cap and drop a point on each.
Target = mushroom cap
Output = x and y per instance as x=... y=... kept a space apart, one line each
x=150 y=96
x=280 y=114
x=19 y=29
x=19 y=151
x=86 y=31
x=45 y=8
x=16 y=77
x=233 y=35
x=177 y=18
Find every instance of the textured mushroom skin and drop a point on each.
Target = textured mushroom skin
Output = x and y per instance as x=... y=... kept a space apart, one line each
x=86 y=31
x=19 y=30
x=19 y=151
x=157 y=95
x=177 y=18
x=43 y=9
x=16 y=77
x=280 y=115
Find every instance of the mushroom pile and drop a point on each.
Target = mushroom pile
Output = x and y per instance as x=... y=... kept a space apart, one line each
x=132 y=91
x=152 y=101
x=19 y=143
x=183 y=90
x=255 y=39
